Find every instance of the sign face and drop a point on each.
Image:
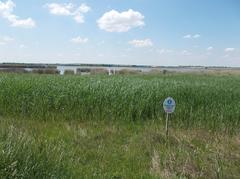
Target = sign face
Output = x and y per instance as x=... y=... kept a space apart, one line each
x=169 y=105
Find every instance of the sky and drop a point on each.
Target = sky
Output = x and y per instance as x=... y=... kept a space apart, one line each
x=133 y=32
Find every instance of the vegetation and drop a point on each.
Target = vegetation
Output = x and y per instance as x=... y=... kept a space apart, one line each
x=45 y=71
x=13 y=70
x=99 y=71
x=128 y=72
x=83 y=70
x=202 y=100
x=69 y=72
x=113 y=149
x=54 y=126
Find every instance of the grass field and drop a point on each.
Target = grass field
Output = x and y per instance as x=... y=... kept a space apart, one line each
x=113 y=126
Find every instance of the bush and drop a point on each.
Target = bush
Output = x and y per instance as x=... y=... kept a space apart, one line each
x=81 y=71
x=165 y=72
x=99 y=71
x=69 y=72
x=46 y=71
x=155 y=71
x=13 y=70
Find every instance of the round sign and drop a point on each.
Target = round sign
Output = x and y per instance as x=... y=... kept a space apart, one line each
x=169 y=105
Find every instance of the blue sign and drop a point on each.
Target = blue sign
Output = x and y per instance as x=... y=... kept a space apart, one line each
x=169 y=105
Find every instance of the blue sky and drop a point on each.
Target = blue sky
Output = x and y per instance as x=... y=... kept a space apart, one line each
x=150 y=32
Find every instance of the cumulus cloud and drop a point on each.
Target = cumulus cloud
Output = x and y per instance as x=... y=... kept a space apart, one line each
x=6 y=12
x=79 y=40
x=229 y=49
x=190 y=36
x=60 y=9
x=69 y=9
x=141 y=43
x=114 y=21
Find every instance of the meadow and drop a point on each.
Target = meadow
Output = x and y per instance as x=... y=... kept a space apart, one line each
x=202 y=100
x=101 y=126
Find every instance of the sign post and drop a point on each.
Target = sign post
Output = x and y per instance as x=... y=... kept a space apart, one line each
x=166 y=127
x=169 y=107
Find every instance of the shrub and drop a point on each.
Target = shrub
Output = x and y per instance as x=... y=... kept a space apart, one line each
x=99 y=71
x=13 y=70
x=46 y=71
x=128 y=72
x=69 y=72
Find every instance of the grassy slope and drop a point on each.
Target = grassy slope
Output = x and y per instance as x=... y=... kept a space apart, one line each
x=113 y=149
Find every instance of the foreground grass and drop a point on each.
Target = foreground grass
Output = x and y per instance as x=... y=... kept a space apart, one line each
x=114 y=149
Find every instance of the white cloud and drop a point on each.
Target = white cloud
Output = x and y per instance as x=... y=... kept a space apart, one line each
x=196 y=36
x=164 y=51
x=83 y=8
x=186 y=53
x=6 y=12
x=114 y=21
x=141 y=43
x=60 y=9
x=69 y=9
x=189 y=36
x=229 y=49
x=5 y=40
x=226 y=56
x=22 y=46
x=209 y=48
x=79 y=40
x=79 y=19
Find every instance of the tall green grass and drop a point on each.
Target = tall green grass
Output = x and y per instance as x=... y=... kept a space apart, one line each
x=202 y=100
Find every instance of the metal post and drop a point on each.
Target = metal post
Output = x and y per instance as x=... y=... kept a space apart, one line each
x=167 y=125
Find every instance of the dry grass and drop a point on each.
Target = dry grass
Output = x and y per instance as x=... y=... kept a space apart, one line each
x=114 y=149
x=99 y=71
